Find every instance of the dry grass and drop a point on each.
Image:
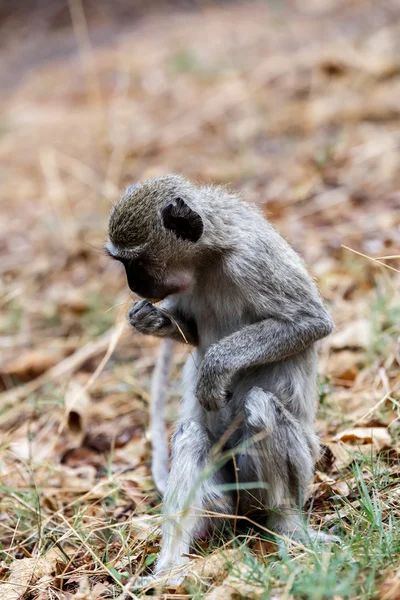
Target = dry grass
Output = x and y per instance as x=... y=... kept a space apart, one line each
x=296 y=108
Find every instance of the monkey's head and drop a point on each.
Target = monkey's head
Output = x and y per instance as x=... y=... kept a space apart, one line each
x=156 y=232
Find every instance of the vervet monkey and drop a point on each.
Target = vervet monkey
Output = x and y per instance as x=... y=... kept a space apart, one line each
x=232 y=287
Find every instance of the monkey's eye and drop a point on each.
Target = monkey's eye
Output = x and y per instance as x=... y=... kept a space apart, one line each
x=113 y=257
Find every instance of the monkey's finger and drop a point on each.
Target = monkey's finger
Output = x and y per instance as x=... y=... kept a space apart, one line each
x=140 y=305
x=149 y=319
x=158 y=319
x=140 y=310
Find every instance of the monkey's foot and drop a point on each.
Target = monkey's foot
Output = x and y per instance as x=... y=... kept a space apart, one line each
x=160 y=581
x=320 y=537
x=308 y=536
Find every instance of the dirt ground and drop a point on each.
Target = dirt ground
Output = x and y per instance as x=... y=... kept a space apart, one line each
x=295 y=105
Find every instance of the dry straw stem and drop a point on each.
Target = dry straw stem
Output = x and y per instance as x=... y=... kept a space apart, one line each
x=93 y=554
x=387 y=396
x=107 y=341
x=378 y=261
x=389 y=257
x=115 y=335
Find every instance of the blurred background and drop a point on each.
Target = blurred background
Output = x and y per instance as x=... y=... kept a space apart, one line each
x=294 y=104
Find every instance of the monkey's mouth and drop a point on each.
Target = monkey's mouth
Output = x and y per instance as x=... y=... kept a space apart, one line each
x=175 y=283
x=156 y=294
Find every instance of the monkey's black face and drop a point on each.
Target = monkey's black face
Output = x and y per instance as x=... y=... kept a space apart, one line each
x=138 y=278
x=149 y=282
x=142 y=283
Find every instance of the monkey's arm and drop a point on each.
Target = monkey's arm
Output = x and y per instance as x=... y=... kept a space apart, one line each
x=163 y=322
x=267 y=341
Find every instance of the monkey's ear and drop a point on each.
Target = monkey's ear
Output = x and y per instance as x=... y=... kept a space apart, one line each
x=184 y=222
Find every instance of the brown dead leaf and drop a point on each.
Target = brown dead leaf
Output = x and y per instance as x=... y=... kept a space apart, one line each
x=100 y=590
x=104 y=436
x=344 y=365
x=43 y=595
x=33 y=444
x=342 y=455
x=235 y=586
x=340 y=488
x=345 y=453
x=23 y=575
x=378 y=436
x=357 y=334
x=325 y=487
x=264 y=547
x=133 y=491
x=326 y=459
x=79 y=479
x=84 y=591
x=33 y=363
x=390 y=587
x=72 y=299
x=214 y=567
x=80 y=457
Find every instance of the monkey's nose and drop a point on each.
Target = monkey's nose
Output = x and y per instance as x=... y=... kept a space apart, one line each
x=130 y=279
x=131 y=284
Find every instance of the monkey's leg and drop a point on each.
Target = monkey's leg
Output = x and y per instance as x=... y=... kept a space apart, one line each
x=190 y=493
x=281 y=457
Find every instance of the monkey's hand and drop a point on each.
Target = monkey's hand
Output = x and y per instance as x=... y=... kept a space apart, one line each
x=211 y=388
x=163 y=322
x=148 y=319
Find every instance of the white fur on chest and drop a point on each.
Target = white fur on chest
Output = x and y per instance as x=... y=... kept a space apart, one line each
x=217 y=309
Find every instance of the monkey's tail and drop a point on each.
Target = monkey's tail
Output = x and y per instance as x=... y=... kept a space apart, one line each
x=158 y=430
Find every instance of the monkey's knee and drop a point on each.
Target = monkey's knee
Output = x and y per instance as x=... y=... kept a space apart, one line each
x=189 y=430
x=289 y=468
x=260 y=410
x=191 y=439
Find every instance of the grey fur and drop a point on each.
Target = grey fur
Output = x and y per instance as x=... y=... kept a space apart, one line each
x=159 y=459
x=243 y=296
